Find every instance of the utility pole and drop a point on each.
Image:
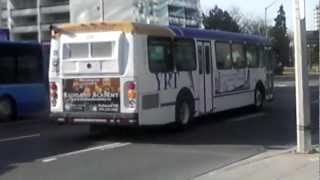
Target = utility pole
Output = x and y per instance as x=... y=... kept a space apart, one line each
x=318 y=16
x=302 y=80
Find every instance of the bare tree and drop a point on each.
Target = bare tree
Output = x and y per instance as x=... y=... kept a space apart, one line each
x=252 y=25
x=255 y=26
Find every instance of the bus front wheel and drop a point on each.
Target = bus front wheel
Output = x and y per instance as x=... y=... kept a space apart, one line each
x=6 y=109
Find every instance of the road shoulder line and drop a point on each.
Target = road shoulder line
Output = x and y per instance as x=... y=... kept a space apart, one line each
x=101 y=148
x=19 y=138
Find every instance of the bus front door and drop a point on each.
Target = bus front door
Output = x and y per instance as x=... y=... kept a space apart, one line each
x=205 y=87
x=270 y=76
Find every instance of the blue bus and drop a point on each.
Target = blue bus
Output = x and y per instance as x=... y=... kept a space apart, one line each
x=23 y=83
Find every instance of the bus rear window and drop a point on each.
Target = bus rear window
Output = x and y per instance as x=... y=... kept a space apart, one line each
x=102 y=49
x=159 y=51
x=76 y=50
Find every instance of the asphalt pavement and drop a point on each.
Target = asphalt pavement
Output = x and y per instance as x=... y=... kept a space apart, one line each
x=38 y=149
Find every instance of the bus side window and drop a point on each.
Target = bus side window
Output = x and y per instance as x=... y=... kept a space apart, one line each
x=208 y=59
x=200 y=58
x=29 y=65
x=160 y=55
x=7 y=67
x=223 y=55
x=263 y=57
x=238 y=56
x=252 y=56
x=269 y=59
x=184 y=55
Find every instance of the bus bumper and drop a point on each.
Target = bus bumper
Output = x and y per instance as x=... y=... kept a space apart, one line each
x=112 y=119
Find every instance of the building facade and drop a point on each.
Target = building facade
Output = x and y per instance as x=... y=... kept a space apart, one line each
x=313 y=48
x=185 y=13
x=31 y=19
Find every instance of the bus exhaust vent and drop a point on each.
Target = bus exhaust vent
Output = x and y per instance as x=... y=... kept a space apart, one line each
x=150 y=101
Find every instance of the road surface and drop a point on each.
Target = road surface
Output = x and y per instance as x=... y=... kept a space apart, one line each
x=37 y=149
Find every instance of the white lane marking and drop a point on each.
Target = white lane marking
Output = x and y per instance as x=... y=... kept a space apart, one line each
x=248 y=117
x=19 y=138
x=101 y=148
x=280 y=85
x=49 y=160
x=22 y=122
x=284 y=84
x=293 y=84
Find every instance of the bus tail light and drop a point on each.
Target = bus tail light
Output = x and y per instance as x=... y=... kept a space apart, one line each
x=131 y=95
x=53 y=93
x=53 y=86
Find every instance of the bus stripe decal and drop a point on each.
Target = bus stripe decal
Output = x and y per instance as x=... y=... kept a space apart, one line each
x=174 y=103
x=168 y=104
x=235 y=93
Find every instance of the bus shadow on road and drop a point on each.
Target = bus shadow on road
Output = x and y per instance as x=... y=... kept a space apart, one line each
x=274 y=126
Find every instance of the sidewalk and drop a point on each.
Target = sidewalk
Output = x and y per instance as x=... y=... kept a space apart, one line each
x=271 y=165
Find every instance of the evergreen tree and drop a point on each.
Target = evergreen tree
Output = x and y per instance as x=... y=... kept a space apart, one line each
x=280 y=39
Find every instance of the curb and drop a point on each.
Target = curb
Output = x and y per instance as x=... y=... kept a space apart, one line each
x=251 y=159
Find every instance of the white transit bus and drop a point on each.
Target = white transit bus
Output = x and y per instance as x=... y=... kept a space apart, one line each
x=130 y=74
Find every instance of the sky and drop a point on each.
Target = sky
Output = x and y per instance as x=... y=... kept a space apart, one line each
x=256 y=8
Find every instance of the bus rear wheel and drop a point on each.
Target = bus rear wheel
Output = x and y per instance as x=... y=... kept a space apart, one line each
x=6 y=109
x=259 y=97
x=184 y=113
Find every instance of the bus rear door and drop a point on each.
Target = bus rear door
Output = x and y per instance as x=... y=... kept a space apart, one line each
x=205 y=77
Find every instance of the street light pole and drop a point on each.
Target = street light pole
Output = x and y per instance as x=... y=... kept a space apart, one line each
x=266 y=16
x=301 y=74
x=102 y=9
x=265 y=21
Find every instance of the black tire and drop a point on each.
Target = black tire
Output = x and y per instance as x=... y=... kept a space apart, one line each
x=184 y=112
x=259 y=97
x=7 y=109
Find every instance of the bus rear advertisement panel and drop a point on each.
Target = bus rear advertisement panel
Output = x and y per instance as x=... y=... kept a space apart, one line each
x=92 y=95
